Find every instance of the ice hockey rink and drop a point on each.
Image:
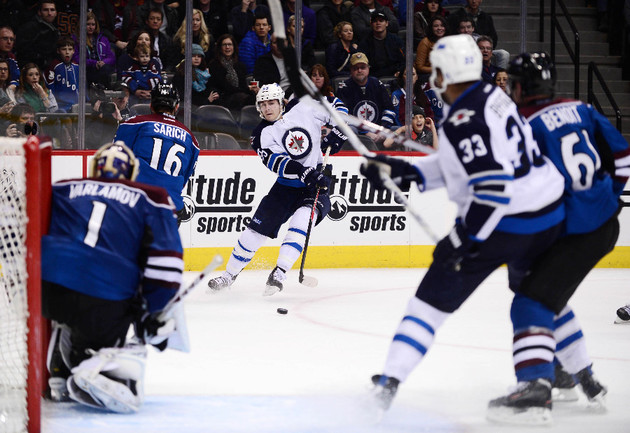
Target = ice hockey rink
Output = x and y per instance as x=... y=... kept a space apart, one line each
x=251 y=369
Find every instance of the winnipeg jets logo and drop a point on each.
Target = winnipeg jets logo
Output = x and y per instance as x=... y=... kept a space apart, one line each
x=461 y=116
x=297 y=142
x=366 y=110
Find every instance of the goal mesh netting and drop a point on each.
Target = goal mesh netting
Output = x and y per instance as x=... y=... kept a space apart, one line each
x=20 y=232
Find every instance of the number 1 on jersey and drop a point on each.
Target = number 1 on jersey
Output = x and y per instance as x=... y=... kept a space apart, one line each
x=95 y=223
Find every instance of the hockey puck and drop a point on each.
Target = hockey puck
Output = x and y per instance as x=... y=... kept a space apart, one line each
x=282 y=311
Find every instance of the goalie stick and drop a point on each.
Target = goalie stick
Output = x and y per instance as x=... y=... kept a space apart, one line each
x=306 y=280
x=303 y=87
x=185 y=291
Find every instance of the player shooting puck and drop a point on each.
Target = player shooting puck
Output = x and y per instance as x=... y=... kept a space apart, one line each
x=282 y=311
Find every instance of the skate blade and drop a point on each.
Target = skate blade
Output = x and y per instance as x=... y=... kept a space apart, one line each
x=534 y=416
x=619 y=321
x=271 y=290
x=564 y=395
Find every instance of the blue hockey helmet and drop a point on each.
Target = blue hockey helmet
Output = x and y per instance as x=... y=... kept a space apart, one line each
x=535 y=72
x=114 y=161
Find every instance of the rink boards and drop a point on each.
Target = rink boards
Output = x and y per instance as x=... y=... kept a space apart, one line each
x=364 y=228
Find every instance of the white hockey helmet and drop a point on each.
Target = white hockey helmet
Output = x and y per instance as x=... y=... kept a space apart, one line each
x=269 y=92
x=114 y=161
x=458 y=58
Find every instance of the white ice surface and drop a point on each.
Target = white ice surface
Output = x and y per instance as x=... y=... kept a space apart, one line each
x=253 y=370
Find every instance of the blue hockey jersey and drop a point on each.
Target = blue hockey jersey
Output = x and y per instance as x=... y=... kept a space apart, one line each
x=108 y=238
x=370 y=102
x=167 y=151
x=578 y=140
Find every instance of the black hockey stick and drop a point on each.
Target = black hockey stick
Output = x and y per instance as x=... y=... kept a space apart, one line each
x=185 y=291
x=311 y=281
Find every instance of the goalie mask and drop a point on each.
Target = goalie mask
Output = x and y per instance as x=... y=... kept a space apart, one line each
x=459 y=60
x=114 y=161
x=270 y=92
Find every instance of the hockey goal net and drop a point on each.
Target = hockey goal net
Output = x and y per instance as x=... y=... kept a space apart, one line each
x=24 y=207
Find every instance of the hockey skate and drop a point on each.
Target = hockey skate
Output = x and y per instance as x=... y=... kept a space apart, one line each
x=529 y=404
x=274 y=282
x=382 y=394
x=595 y=391
x=623 y=314
x=563 y=388
x=221 y=282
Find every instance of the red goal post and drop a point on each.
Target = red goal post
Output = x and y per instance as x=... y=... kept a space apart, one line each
x=25 y=185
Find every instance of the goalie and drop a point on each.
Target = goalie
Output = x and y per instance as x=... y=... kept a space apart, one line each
x=112 y=257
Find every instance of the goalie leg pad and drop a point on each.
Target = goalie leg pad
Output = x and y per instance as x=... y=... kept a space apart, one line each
x=113 y=378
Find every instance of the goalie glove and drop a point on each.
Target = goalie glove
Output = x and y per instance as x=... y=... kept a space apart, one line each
x=335 y=139
x=315 y=179
x=155 y=331
x=452 y=249
x=400 y=171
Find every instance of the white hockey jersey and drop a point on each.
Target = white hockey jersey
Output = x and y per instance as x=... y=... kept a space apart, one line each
x=493 y=168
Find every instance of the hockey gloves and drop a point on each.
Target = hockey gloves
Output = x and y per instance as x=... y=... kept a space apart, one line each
x=451 y=250
x=334 y=139
x=315 y=179
x=401 y=172
x=154 y=331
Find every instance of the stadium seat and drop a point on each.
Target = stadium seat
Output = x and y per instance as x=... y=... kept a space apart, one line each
x=220 y=140
x=248 y=121
x=214 y=118
x=141 y=109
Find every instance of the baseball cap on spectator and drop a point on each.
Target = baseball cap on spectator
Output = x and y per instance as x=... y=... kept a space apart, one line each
x=376 y=15
x=358 y=58
x=418 y=111
x=197 y=50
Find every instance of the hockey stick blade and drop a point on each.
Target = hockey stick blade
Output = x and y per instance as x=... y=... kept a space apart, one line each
x=183 y=292
x=277 y=18
x=309 y=281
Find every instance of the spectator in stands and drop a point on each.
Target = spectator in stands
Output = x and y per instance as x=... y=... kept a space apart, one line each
x=33 y=91
x=389 y=4
x=437 y=30
x=362 y=17
x=308 y=15
x=162 y=42
x=103 y=121
x=204 y=91
x=7 y=98
x=141 y=77
x=256 y=42
x=307 y=54
x=11 y=13
x=422 y=130
x=423 y=17
x=36 y=40
x=489 y=70
x=7 y=40
x=62 y=77
x=385 y=50
x=242 y=17
x=332 y=13
x=170 y=19
x=67 y=20
x=399 y=96
x=483 y=21
x=21 y=122
x=270 y=68
x=366 y=97
x=338 y=54
x=467 y=26
x=100 y=62
x=214 y=14
x=126 y=58
x=501 y=79
x=320 y=78
x=130 y=22
x=229 y=75
x=201 y=36
x=110 y=19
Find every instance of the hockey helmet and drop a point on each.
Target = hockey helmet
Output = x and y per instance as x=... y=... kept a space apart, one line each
x=164 y=97
x=269 y=92
x=114 y=161
x=459 y=60
x=536 y=73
